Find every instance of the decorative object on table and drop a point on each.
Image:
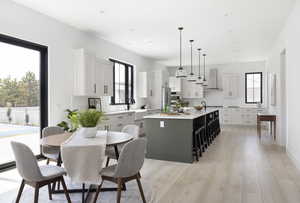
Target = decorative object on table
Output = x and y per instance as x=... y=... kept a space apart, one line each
x=199 y=80
x=198 y=108
x=180 y=72
x=95 y=103
x=72 y=124
x=191 y=77
x=88 y=120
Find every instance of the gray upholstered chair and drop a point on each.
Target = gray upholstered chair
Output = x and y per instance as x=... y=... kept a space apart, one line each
x=133 y=130
x=51 y=153
x=128 y=168
x=34 y=175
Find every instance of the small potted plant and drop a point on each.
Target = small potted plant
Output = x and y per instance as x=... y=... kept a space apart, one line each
x=88 y=121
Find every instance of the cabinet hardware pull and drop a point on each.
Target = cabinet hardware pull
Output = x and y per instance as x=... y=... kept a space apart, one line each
x=95 y=88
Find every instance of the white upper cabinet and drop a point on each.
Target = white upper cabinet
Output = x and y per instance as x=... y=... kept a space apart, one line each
x=84 y=73
x=175 y=84
x=192 y=90
x=104 y=78
x=143 y=85
x=92 y=77
x=230 y=85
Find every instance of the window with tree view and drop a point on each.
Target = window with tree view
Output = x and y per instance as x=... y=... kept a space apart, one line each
x=123 y=83
x=253 y=89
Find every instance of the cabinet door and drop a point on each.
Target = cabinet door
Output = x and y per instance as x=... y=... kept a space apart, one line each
x=84 y=73
x=186 y=89
x=230 y=85
x=175 y=84
x=108 y=78
x=104 y=78
x=197 y=91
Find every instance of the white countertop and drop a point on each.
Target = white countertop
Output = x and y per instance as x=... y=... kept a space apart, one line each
x=192 y=115
x=130 y=111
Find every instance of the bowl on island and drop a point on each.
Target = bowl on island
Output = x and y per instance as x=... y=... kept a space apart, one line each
x=198 y=108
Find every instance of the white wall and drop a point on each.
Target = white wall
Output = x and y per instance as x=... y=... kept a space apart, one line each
x=289 y=40
x=18 y=21
x=216 y=97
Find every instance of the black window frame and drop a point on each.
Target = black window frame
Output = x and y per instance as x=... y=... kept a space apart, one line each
x=127 y=72
x=261 y=87
x=43 y=85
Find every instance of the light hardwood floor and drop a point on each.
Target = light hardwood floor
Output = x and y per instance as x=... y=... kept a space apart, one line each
x=237 y=168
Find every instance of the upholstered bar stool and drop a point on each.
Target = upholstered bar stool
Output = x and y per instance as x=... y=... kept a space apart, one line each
x=34 y=175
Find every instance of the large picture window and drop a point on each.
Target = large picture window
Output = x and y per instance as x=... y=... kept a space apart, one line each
x=123 y=83
x=253 y=88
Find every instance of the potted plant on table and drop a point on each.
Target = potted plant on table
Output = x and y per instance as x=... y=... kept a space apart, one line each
x=88 y=121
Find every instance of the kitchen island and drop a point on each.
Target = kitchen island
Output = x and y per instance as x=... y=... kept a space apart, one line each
x=181 y=137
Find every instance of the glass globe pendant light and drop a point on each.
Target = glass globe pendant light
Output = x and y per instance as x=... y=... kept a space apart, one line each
x=180 y=72
x=191 y=77
x=199 y=80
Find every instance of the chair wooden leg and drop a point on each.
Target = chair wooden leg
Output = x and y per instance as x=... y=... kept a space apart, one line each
x=107 y=162
x=20 y=191
x=120 y=183
x=65 y=189
x=36 y=193
x=48 y=161
x=97 y=192
x=140 y=188
x=49 y=191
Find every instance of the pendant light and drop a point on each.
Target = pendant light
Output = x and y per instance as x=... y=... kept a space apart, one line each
x=204 y=79
x=180 y=72
x=191 y=77
x=199 y=80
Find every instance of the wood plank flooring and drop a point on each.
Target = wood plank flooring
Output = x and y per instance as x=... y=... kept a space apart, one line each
x=237 y=168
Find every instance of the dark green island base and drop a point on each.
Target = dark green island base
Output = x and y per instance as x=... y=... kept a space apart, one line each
x=180 y=138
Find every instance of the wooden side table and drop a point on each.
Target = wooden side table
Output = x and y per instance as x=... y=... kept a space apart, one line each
x=266 y=117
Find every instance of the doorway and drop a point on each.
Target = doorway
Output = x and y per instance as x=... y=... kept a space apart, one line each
x=23 y=95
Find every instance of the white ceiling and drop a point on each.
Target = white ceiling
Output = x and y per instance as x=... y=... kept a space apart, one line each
x=228 y=30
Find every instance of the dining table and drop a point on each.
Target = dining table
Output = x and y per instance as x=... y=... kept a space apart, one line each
x=113 y=139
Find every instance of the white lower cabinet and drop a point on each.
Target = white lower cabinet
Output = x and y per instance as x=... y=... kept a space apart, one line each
x=239 y=116
x=116 y=122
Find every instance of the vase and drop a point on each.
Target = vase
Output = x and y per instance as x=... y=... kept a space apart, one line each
x=88 y=132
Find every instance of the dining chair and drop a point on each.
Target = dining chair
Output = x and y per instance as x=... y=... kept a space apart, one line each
x=51 y=153
x=34 y=175
x=128 y=168
x=132 y=130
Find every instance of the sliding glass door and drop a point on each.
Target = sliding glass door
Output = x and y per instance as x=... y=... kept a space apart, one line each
x=23 y=95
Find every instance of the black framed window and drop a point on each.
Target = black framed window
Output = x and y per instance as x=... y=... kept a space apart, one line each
x=253 y=88
x=123 y=83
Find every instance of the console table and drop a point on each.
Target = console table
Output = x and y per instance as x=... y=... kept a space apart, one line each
x=266 y=117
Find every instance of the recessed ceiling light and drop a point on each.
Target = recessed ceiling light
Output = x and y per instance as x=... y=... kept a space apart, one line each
x=131 y=29
x=102 y=11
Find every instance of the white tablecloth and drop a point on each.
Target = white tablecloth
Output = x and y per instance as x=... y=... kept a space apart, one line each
x=83 y=157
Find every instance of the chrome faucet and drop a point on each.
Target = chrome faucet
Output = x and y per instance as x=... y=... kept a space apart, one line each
x=204 y=104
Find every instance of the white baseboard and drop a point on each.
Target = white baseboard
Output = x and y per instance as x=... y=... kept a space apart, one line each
x=295 y=161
